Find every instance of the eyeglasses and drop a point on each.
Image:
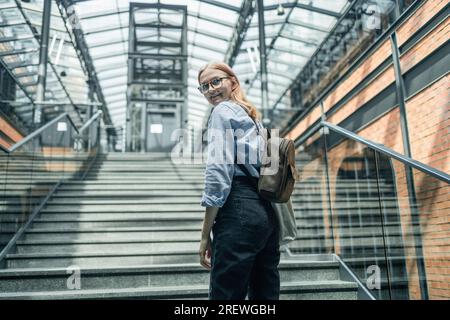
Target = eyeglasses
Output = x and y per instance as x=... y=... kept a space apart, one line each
x=215 y=84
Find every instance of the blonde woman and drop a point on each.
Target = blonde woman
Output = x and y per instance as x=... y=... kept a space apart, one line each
x=243 y=254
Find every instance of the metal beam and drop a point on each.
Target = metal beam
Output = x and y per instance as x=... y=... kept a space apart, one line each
x=299 y=75
x=298 y=39
x=25 y=74
x=272 y=43
x=156 y=56
x=290 y=51
x=38 y=38
x=293 y=22
x=302 y=24
x=267 y=117
x=16 y=38
x=157 y=25
x=243 y=22
x=190 y=14
x=303 y=6
x=158 y=44
x=221 y=5
x=43 y=60
x=80 y=43
x=21 y=64
x=412 y=199
x=158 y=100
x=15 y=52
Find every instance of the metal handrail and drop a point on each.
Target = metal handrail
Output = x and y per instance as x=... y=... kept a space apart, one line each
x=376 y=146
x=92 y=119
x=391 y=153
x=39 y=131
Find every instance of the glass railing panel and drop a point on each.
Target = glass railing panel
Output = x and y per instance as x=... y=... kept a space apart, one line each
x=420 y=269
x=19 y=190
x=79 y=156
x=310 y=199
x=3 y=170
x=31 y=171
x=358 y=225
x=4 y=232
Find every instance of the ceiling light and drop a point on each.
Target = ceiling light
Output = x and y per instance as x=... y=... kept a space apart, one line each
x=280 y=10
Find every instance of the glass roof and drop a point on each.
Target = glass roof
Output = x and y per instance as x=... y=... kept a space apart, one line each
x=19 y=51
x=290 y=40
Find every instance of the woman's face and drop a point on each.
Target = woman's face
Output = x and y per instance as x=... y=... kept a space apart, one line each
x=223 y=92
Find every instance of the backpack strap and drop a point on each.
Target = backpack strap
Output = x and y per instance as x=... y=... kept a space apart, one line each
x=247 y=173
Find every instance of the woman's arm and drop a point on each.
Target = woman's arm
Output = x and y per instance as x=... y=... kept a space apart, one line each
x=205 y=243
x=218 y=175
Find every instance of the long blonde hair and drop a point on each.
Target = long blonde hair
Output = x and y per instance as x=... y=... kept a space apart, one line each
x=237 y=93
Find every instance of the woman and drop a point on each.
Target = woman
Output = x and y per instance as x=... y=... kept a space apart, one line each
x=244 y=254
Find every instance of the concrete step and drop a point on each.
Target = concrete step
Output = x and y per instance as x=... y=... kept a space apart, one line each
x=358 y=209
x=55 y=279
x=94 y=202
x=100 y=202
x=111 y=234
x=125 y=223
x=143 y=177
x=97 y=259
x=138 y=187
x=167 y=213
x=149 y=181
x=167 y=207
x=314 y=290
x=157 y=243
x=304 y=232
x=146 y=166
x=148 y=171
x=123 y=216
x=101 y=259
x=113 y=247
x=130 y=194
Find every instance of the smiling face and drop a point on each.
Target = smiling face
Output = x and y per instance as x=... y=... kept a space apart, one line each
x=217 y=95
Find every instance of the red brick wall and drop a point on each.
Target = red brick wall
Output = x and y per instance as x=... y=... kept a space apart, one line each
x=428 y=114
x=376 y=86
x=10 y=132
x=429 y=43
x=360 y=73
x=423 y=14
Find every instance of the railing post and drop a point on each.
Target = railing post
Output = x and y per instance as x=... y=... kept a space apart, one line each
x=43 y=58
x=263 y=63
x=327 y=176
x=415 y=218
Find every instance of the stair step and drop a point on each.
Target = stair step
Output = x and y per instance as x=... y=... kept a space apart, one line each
x=293 y=290
x=155 y=244
x=100 y=259
x=14 y=280
x=180 y=233
x=87 y=224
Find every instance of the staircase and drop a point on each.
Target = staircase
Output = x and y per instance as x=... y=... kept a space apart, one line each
x=131 y=229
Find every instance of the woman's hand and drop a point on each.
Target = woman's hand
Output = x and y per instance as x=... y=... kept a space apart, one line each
x=205 y=253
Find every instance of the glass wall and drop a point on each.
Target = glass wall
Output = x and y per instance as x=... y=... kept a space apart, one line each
x=31 y=171
x=356 y=202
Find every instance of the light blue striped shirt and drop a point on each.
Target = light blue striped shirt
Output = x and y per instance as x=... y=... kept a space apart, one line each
x=231 y=131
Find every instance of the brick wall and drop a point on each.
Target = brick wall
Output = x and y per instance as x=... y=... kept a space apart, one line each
x=423 y=14
x=9 y=131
